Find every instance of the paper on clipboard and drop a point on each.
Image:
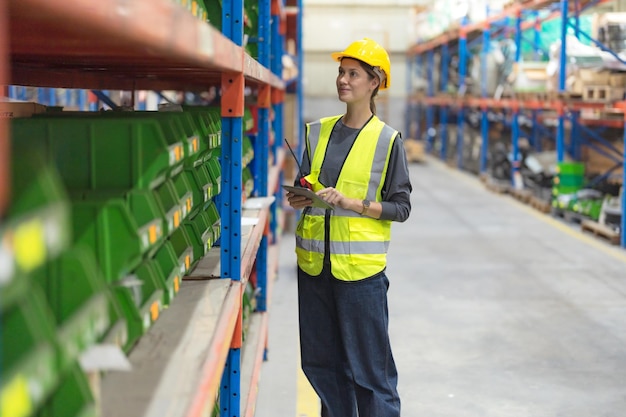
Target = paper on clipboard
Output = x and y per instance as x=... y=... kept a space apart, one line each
x=317 y=201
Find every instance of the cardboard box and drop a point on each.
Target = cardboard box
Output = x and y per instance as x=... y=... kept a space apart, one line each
x=15 y=109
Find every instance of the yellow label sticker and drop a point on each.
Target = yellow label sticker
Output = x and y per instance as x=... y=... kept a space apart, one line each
x=188 y=204
x=29 y=244
x=194 y=8
x=154 y=311
x=176 y=284
x=195 y=145
x=152 y=233
x=187 y=262
x=177 y=218
x=179 y=153
x=14 y=399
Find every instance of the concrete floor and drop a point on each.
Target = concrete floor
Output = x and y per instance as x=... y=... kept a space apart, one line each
x=496 y=310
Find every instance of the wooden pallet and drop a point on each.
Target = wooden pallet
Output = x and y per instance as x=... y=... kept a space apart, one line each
x=539 y=204
x=568 y=215
x=496 y=186
x=602 y=93
x=521 y=195
x=600 y=230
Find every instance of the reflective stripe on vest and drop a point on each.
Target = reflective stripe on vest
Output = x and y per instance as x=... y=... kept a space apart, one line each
x=358 y=244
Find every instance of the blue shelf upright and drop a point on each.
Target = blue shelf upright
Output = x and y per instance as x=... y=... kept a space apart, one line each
x=233 y=86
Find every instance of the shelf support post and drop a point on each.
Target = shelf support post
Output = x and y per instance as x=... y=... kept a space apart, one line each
x=574 y=144
x=563 y=52
x=444 y=110
x=419 y=69
x=535 y=138
x=515 y=131
x=484 y=120
x=560 y=134
x=430 y=111
x=230 y=211
x=623 y=193
x=278 y=98
x=462 y=87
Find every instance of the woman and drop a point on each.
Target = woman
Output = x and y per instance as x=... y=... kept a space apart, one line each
x=357 y=163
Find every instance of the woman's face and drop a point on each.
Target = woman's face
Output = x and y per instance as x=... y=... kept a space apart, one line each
x=353 y=82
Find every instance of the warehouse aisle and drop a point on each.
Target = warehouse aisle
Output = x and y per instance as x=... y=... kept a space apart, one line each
x=496 y=310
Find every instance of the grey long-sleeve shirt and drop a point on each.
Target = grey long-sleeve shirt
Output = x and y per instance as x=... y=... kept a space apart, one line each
x=396 y=191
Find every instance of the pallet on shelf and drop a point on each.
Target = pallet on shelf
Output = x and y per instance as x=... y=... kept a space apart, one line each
x=537 y=203
x=522 y=195
x=600 y=230
x=602 y=93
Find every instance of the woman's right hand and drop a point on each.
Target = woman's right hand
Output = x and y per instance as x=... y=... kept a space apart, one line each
x=298 y=202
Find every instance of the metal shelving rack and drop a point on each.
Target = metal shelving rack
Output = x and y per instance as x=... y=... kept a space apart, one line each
x=523 y=15
x=195 y=351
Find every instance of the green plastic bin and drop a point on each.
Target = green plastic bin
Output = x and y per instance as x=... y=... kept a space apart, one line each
x=73 y=398
x=215 y=174
x=184 y=192
x=30 y=361
x=169 y=204
x=38 y=225
x=76 y=293
x=213 y=215
x=138 y=148
x=200 y=232
x=108 y=229
x=170 y=267
x=183 y=248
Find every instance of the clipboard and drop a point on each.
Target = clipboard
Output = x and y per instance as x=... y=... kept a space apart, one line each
x=317 y=201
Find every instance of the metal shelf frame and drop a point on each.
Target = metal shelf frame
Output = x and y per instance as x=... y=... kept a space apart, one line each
x=516 y=18
x=157 y=45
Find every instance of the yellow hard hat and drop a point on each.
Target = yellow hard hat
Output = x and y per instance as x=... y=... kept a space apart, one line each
x=371 y=53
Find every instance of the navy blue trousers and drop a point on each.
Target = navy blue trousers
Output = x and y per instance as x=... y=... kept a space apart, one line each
x=344 y=345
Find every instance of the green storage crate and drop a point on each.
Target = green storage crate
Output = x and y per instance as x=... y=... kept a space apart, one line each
x=200 y=232
x=127 y=318
x=148 y=295
x=184 y=191
x=73 y=398
x=178 y=127
x=38 y=224
x=76 y=293
x=29 y=362
x=170 y=267
x=214 y=169
x=211 y=118
x=169 y=204
x=139 y=146
x=108 y=229
x=143 y=208
x=183 y=248
x=569 y=178
x=201 y=184
x=117 y=333
x=213 y=214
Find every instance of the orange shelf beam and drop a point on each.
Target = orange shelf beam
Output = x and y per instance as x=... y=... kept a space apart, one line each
x=512 y=10
x=118 y=44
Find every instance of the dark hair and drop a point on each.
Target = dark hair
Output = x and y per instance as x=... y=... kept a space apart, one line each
x=370 y=71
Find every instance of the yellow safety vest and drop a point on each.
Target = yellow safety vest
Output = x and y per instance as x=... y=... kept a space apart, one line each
x=358 y=244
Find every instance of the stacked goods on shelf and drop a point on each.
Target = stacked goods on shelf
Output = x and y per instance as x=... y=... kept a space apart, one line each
x=570 y=194
x=611 y=30
x=48 y=312
x=133 y=218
